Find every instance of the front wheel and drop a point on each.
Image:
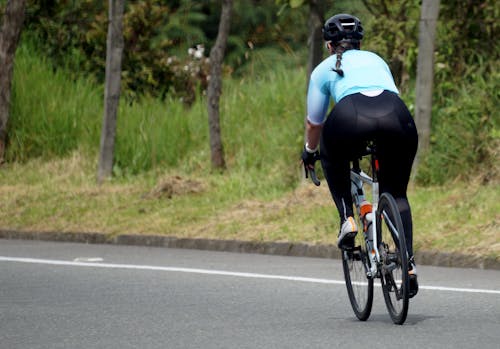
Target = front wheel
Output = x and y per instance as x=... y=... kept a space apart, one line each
x=394 y=258
x=359 y=286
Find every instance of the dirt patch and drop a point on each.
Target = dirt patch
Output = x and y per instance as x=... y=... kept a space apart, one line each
x=175 y=186
x=303 y=196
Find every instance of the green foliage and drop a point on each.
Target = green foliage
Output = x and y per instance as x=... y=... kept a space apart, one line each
x=393 y=34
x=465 y=138
x=464 y=45
x=54 y=113
x=51 y=114
x=465 y=123
x=60 y=27
x=73 y=35
x=261 y=121
x=154 y=134
x=467 y=32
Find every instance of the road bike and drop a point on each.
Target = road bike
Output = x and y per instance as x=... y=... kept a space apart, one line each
x=380 y=251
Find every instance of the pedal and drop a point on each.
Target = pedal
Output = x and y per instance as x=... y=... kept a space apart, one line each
x=390 y=267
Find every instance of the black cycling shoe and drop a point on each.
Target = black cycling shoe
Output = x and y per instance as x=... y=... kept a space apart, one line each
x=412 y=273
x=413 y=286
x=347 y=242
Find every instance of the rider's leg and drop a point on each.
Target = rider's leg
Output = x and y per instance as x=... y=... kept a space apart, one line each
x=340 y=138
x=396 y=148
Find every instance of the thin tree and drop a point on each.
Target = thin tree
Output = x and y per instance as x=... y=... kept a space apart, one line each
x=425 y=73
x=316 y=19
x=114 y=52
x=214 y=88
x=9 y=37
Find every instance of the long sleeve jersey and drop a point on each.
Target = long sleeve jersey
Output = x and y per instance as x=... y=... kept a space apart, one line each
x=363 y=71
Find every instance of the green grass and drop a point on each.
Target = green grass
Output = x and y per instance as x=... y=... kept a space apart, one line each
x=62 y=195
x=459 y=217
x=50 y=114
x=261 y=121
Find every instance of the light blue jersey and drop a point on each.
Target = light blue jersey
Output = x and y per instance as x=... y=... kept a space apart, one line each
x=363 y=71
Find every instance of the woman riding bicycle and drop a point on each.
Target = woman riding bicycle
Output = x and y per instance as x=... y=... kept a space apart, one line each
x=367 y=108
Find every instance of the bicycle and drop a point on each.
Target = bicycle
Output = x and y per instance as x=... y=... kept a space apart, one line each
x=382 y=255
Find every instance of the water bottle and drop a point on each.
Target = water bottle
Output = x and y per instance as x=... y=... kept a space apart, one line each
x=367 y=216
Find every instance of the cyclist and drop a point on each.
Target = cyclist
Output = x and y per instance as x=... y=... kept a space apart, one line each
x=367 y=108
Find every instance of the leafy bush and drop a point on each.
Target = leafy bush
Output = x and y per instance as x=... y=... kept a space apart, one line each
x=157 y=35
x=465 y=138
x=465 y=135
x=466 y=33
x=392 y=33
x=73 y=34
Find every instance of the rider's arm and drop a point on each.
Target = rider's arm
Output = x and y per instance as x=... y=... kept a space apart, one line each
x=313 y=135
x=317 y=106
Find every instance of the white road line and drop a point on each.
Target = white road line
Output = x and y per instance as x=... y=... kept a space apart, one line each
x=217 y=272
x=87 y=259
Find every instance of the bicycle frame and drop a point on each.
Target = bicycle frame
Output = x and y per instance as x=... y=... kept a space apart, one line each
x=358 y=178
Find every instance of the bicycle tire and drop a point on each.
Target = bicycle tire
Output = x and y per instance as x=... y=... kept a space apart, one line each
x=394 y=258
x=359 y=285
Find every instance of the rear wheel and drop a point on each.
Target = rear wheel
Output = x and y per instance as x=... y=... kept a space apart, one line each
x=394 y=258
x=359 y=285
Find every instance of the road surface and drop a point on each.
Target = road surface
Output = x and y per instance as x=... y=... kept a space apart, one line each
x=69 y=295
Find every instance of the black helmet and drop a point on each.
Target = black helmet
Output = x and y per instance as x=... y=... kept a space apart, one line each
x=343 y=27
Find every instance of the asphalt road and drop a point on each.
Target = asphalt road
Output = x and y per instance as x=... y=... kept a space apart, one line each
x=64 y=295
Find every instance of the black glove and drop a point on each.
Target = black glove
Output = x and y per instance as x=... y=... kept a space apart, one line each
x=308 y=159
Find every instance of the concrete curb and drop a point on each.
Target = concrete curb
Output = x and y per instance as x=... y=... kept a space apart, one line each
x=273 y=248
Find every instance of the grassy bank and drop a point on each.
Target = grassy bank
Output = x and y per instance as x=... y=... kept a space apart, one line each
x=62 y=195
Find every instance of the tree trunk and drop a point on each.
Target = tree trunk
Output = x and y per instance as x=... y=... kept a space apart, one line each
x=114 y=51
x=316 y=19
x=425 y=74
x=9 y=37
x=215 y=85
